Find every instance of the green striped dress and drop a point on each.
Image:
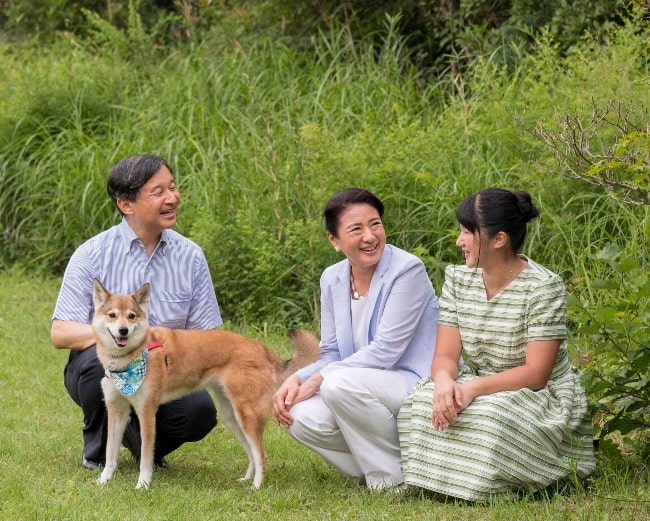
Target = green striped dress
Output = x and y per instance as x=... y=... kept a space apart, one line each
x=509 y=441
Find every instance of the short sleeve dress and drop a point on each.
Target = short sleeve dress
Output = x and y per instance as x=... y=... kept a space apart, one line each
x=510 y=441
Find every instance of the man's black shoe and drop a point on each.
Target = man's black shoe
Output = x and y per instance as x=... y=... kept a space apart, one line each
x=91 y=465
x=131 y=440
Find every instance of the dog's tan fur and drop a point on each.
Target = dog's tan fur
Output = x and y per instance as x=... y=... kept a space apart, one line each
x=241 y=374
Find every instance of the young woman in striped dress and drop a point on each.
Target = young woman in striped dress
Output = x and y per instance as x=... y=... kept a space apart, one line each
x=514 y=417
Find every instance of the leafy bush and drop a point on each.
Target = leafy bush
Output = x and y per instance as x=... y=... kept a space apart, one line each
x=605 y=144
x=45 y=19
x=611 y=316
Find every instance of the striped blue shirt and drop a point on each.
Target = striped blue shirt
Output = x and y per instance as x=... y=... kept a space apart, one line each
x=182 y=293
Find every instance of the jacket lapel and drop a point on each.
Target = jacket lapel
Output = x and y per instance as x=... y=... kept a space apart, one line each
x=342 y=312
x=376 y=290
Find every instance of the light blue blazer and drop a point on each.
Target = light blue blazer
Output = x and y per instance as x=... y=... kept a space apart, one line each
x=403 y=321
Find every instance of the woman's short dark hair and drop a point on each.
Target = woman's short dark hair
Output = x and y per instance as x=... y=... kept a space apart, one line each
x=495 y=210
x=130 y=174
x=344 y=199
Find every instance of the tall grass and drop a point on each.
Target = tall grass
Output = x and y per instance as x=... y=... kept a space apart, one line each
x=42 y=478
x=261 y=135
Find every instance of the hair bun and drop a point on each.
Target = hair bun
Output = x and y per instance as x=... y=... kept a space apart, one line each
x=528 y=210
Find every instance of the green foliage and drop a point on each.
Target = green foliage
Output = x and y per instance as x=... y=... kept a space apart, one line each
x=259 y=277
x=442 y=36
x=610 y=149
x=606 y=144
x=132 y=40
x=46 y=19
x=261 y=132
x=569 y=22
x=610 y=314
x=53 y=164
x=447 y=36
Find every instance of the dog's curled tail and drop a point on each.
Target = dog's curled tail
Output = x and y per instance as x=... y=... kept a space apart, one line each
x=306 y=350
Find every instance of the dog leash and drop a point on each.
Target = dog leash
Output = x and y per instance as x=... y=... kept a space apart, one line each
x=155 y=344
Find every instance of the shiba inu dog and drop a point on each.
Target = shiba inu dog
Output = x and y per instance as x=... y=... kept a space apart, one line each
x=147 y=366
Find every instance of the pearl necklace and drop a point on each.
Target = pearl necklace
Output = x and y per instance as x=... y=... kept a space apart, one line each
x=492 y=292
x=355 y=293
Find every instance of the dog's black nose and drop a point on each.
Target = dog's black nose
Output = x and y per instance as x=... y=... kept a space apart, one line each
x=124 y=331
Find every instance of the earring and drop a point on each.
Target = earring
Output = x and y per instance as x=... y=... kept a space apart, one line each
x=337 y=249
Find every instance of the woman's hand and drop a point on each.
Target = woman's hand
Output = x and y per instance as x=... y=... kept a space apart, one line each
x=290 y=393
x=446 y=403
x=308 y=388
x=283 y=399
x=449 y=399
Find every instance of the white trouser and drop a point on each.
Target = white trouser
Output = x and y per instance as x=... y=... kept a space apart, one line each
x=352 y=423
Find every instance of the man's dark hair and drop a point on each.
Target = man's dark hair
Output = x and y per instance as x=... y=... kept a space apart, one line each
x=130 y=174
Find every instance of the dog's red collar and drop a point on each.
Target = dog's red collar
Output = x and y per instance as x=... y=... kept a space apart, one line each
x=155 y=344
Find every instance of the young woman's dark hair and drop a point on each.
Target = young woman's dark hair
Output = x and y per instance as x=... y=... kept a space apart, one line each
x=342 y=200
x=495 y=210
x=130 y=174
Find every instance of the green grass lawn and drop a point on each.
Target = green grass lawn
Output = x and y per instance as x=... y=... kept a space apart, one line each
x=41 y=476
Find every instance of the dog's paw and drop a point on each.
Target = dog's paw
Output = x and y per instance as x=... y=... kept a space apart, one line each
x=101 y=480
x=142 y=485
x=254 y=485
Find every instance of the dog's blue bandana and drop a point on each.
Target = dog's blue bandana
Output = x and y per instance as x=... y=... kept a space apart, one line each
x=129 y=378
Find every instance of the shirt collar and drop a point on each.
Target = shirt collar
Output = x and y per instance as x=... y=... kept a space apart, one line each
x=128 y=237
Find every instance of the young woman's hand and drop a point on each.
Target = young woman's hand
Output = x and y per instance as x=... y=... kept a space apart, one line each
x=447 y=400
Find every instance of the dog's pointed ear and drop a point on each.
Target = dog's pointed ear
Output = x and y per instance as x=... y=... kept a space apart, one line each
x=142 y=295
x=100 y=294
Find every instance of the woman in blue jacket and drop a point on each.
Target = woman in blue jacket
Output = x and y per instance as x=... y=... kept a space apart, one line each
x=379 y=316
